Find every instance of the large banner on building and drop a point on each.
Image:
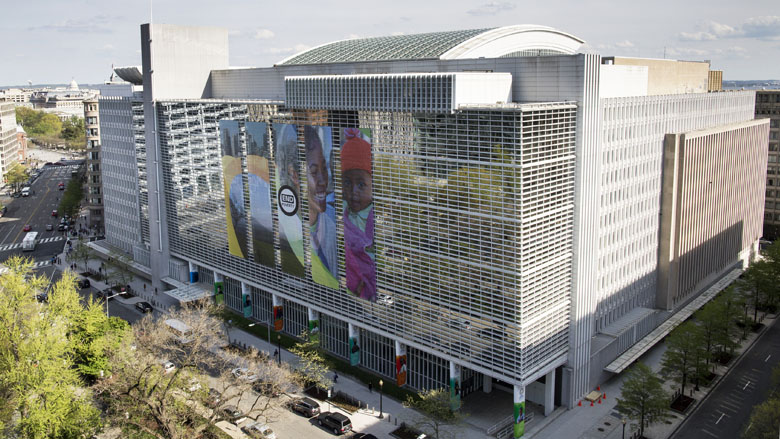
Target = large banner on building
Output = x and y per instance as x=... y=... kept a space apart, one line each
x=219 y=294
x=358 y=213
x=400 y=369
x=257 y=156
x=232 y=174
x=246 y=300
x=322 y=209
x=278 y=318
x=288 y=198
x=519 y=417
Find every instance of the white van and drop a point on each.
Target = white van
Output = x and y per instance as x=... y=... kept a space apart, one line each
x=26 y=191
x=180 y=330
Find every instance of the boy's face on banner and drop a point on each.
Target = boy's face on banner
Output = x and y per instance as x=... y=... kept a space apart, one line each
x=358 y=191
x=317 y=176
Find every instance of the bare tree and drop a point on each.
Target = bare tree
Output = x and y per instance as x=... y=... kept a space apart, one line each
x=185 y=401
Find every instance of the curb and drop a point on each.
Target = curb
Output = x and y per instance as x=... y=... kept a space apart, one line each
x=721 y=378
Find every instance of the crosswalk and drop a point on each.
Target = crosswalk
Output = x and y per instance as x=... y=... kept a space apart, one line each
x=40 y=241
x=36 y=264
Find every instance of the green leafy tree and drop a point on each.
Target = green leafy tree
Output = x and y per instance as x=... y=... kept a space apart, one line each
x=16 y=176
x=73 y=129
x=755 y=284
x=71 y=199
x=711 y=323
x=94 y=336
x=684 y=354
x=312 y=366
x=643 y=398
x=42 y=391
x=764 y=420
x=727 y=333
x=434 y=404
x=118 y=269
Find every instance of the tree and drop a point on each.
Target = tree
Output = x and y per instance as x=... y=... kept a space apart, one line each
x=755 y=284
x=764 y=420
x=83 y=252
x=434 y=404
x=73 y=130
x=16 y=176
x=71 y=199
x=180 y=404
x=312 y=366
x=94 y=336
x=42 y=393
x=118 y=269
x=727 y=332
x=643 y=398
x=684 y=353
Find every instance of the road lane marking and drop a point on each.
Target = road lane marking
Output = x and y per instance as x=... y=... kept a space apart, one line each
x=721 y=417
x=746 y=384
x=711 y=434
x=767 y=358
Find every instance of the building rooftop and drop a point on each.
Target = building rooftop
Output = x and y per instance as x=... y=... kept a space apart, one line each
x=516 y=40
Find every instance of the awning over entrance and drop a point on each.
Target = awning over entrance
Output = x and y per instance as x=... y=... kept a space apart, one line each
x=189 y=292
x=644 y=345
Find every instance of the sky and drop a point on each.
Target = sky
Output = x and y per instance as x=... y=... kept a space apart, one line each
x=55 y=41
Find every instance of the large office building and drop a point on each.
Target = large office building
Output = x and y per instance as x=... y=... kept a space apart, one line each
x=9 y=143
x=453 y=209
x=768 y=106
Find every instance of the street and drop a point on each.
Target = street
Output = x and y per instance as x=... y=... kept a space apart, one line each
x=726 y=412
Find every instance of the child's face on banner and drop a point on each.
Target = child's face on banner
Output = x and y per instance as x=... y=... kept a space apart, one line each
x=358 y=191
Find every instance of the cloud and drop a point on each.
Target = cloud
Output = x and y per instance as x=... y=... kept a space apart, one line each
x=102 y=24
x=625 y=44
x=492 y=8
x=263 y=34
x=762 y=28
x=690 y=52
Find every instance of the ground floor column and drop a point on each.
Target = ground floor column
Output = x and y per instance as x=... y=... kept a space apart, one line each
x=219 y=291
x=354 y=344
x=400 y=363
x=246 y=299
x=278 y=304
x=518 y=398
x=193 y=272
x=487 y=383
x=314 y=321
x=549 y=393
x=454 y=386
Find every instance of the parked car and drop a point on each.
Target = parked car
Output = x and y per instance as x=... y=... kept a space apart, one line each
x=335 y=422
x=363 y=436
x=259 y=431
x=144 y=307
x=232 y=414
x=83 y=283
x=27 y=227
x=242 y=373
x=62 y=227
x=306 y=406
x=49 y=227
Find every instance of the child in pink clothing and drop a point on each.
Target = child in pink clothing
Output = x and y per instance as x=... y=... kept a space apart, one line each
x=359 y=250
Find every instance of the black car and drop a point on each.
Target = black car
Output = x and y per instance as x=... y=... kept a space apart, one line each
x=232 y=414
x=335 y=422
x=363 y=436
x=83 y=283
x=144 y=307
x=306 y=406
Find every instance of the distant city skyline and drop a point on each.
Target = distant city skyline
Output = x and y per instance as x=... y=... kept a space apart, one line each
x=53 y=42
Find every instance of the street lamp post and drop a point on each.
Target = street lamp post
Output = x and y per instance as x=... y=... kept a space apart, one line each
x=624 y=428
x=381 y=383
x=110 y=297
x=279 y=342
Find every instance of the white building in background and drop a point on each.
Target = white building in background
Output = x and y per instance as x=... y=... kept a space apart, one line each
x=9 y=143
x=517 y=228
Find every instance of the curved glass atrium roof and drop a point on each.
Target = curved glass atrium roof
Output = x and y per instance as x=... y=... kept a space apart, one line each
x=398 y=47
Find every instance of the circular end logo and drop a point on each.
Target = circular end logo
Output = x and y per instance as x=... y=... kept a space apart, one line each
x=288 y=201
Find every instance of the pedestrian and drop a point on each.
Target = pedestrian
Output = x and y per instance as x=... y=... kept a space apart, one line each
x=155 y=291
x=335 y=377
x=370 y=387
x=144 y=287
x=276 y=352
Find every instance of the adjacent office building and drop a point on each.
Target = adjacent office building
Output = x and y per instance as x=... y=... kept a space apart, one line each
x=9 y=144
x=454 y=209
x=768 y=106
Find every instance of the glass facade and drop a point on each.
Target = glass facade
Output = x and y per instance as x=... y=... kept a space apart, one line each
x=465 y=204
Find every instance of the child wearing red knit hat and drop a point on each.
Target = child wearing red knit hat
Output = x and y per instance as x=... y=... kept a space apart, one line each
x=359 y=250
